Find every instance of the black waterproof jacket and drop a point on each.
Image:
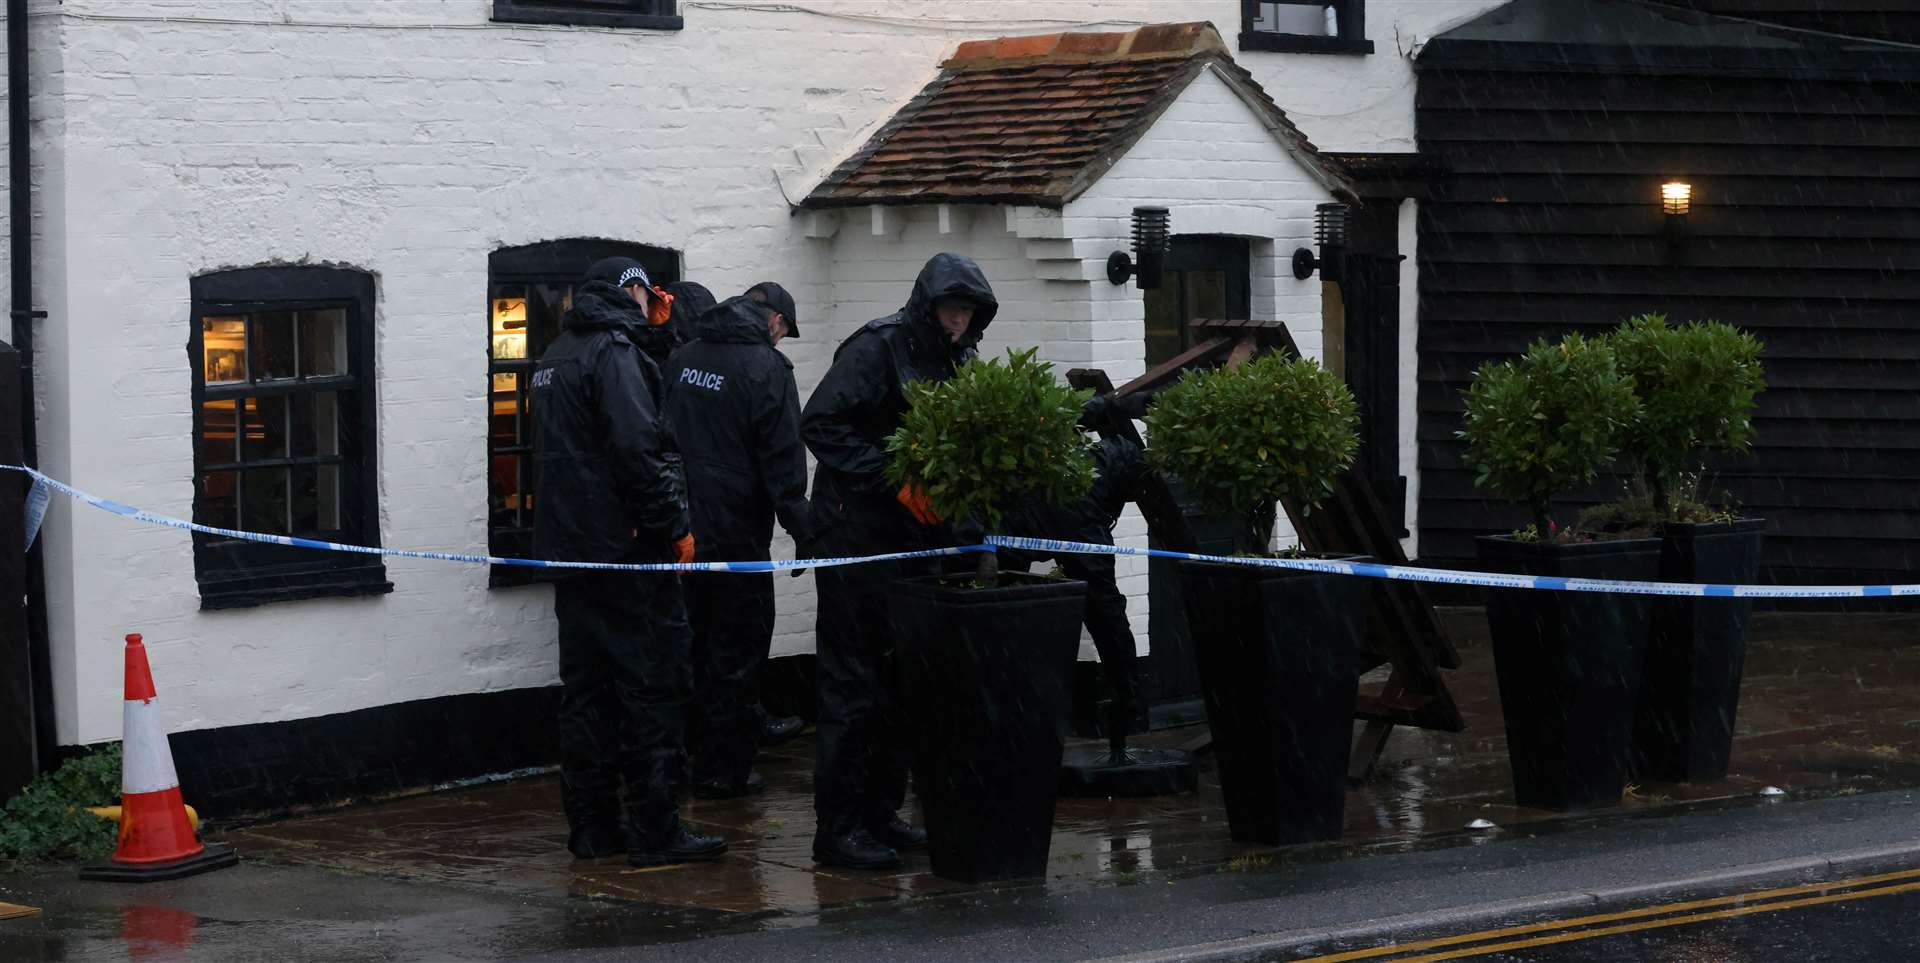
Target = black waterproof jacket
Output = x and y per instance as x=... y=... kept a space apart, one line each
x=1119 y=470
x=736 y=414
x=860 y=402
x=604 y=490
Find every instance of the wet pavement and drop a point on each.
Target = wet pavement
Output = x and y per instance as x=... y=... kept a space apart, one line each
x=1830 y=709
x=1831 y=705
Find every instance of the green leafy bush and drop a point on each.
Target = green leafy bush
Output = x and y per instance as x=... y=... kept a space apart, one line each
x=47 y=820
x=1697 y=385
x=994 y=435
x=1546 y=422
x=1243 y=438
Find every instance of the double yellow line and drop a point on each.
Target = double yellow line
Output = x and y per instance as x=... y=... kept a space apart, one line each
x=1631 y=921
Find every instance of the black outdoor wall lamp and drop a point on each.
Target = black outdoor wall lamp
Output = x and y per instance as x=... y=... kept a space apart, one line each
x=1151 y=227
x=1676 y=199
x=1330 y=232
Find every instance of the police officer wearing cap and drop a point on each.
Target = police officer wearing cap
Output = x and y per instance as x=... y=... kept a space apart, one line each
x=735 y=409
x=606 y=495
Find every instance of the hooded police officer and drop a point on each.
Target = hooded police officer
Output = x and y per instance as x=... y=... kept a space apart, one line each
x=860 y=769
x=736 y=412
x=607 y=495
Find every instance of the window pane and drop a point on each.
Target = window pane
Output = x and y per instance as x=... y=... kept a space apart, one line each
x=504 y=491
x=263 y=501
x=323 y=342
x=219 y=439
x=273 y=345
x=1295 y=17
x=330 y=494
x=219 y=501
x=1206 y=294
x=316 y=500
x=1163 y=319
x=509 y=329
x=316 y=424
x=224 y=347
x=504 y=420
x=266 y=429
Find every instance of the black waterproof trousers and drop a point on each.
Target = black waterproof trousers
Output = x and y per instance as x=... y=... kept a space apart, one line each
x=1105 y=617
x=863 y=756
x=625 y=679
x=732 y=618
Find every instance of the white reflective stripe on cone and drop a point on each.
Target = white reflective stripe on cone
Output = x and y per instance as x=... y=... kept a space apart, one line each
x=146 y=762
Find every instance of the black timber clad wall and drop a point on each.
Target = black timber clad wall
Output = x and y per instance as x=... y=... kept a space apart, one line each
x=1896 y=20
x=1806 y=231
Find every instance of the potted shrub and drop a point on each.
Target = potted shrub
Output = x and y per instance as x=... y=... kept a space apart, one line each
x=1278 y=649
x=1697 y=385
x=986 y=657
x=1570 y=665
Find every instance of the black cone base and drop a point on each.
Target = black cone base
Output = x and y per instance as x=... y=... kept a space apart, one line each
x=215 y=856
x=1091 y=772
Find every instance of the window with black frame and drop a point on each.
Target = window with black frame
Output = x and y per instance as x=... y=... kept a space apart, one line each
x=637 y=14
x=529 y=290
x=1305 y=26
x=283 y=423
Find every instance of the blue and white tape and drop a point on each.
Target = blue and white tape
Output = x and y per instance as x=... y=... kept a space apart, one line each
x=154 y=518
x=1406 y=573
x=1441 y=576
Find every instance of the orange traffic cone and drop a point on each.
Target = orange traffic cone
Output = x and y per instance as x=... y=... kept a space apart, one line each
x=156 y=839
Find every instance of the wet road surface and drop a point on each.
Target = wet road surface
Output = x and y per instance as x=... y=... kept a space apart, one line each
x=1830 y=709
x=1857 y=918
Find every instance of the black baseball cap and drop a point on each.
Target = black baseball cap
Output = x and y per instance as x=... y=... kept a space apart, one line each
x=776 y=297
x=619 y=272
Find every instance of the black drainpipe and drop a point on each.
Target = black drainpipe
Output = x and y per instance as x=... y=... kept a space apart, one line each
x=20 y=227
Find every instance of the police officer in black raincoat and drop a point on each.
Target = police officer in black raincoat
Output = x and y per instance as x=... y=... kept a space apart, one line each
x=860 y=770
x=1119 y=467
x=606 y=495
x=736 y=413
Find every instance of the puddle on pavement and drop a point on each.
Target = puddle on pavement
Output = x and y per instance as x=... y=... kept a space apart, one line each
x=1829 y=706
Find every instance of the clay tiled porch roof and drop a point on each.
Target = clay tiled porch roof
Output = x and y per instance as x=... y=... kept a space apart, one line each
x=1036 y=120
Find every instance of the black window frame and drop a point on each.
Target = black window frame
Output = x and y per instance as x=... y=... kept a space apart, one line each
x=555 y=263
x=1352 y=39
x=234 y=573
x=629 y=14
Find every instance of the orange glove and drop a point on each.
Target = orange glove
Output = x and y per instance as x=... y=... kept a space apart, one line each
x=683 y=549
x=918 y=503
x=660 y=308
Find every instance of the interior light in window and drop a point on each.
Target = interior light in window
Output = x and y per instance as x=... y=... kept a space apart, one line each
x=509 y=328
x=224 y=347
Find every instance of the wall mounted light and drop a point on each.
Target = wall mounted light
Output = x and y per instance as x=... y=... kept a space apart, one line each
x=1330 y=232
x=1676 y=199
x=1152 y=228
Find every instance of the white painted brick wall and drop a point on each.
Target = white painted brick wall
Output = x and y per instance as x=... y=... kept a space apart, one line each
x=174 y=137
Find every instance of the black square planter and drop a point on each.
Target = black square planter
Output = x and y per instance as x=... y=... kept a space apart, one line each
x=1571 y=667
x=987 y=681
x=1279 y=655
x=1697 y=653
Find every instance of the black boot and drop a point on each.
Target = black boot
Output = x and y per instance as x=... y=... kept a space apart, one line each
x=681 y=846
x=776 y=731
x=718 y=789
x=596 y=841
x=855 y=850
x=899 y=834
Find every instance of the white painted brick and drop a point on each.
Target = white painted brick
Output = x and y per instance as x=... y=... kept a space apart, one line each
x=165 y=149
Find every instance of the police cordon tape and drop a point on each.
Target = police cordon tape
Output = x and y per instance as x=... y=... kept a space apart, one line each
x=154 y=518
x=1046 y=546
